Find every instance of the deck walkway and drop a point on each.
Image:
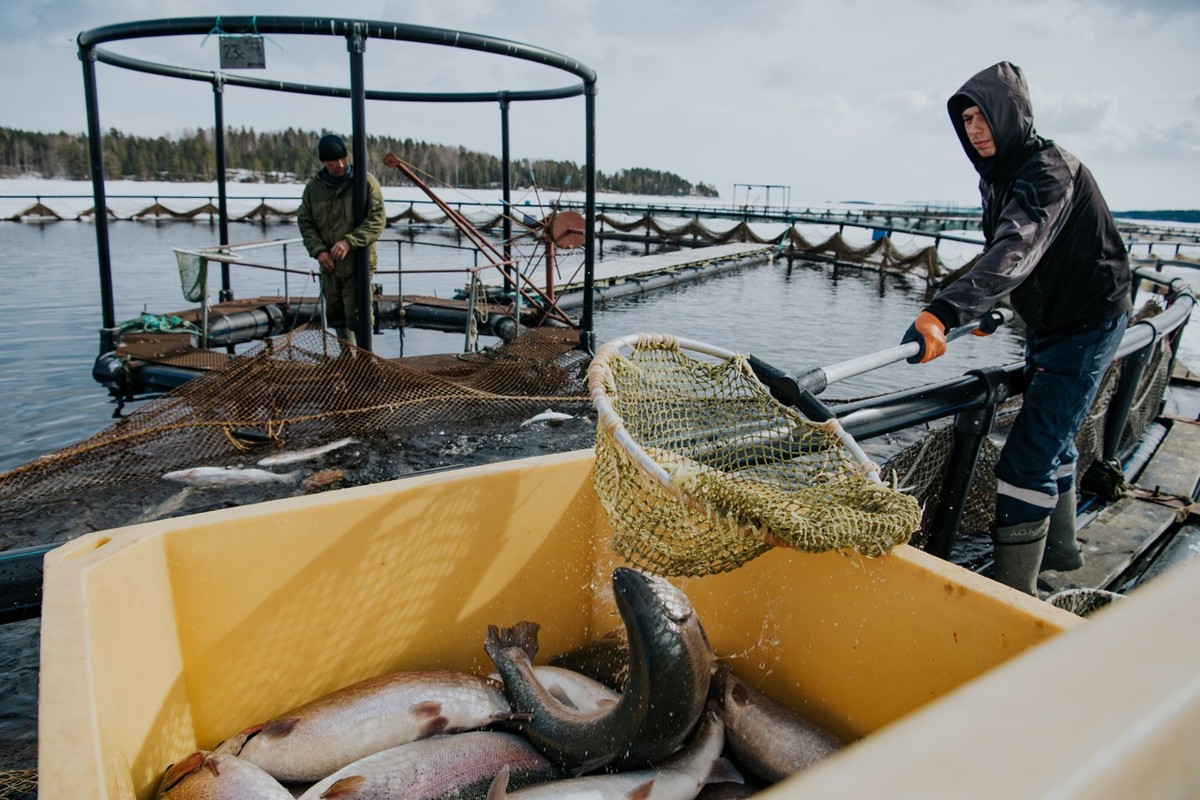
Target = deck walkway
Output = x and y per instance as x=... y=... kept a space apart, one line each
x=1125 y=530
x=610 y=272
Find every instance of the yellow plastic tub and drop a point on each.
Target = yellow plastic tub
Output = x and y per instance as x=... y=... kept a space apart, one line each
x=163 y=638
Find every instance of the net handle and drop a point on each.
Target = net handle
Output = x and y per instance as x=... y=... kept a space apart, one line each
x=612 y=423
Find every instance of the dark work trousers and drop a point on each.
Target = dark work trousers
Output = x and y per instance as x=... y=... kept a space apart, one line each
x=1038 y=459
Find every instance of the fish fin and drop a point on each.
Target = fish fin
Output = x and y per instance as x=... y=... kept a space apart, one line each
x=590 y=766
x=499 y=787
x=561 y=696
x=605 y=703
x=723 y=771
x=278 y=728
x=176 y=772
x=346 y=787
x=234 y=744
x=641 y=791
x=430 y=713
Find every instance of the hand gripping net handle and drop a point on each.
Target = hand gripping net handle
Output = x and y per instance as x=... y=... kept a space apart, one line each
x=722 y=519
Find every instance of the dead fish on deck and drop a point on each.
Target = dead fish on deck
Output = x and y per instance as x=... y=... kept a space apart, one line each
x=303 y=455
x=769 y=739
x=209 y=776
x=573 y=689
x=670 y=666
x=552 y=417
x=679 y=777
x=459 y=766
x=322 y=736
x=229 y=476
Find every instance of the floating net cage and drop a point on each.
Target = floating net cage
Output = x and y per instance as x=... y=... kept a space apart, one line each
x=701 y=470
x=303 y=389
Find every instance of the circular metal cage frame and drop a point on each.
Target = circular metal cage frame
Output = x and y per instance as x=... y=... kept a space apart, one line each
x=355 y=32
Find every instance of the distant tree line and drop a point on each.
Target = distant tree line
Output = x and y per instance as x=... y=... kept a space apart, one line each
x=290 y=155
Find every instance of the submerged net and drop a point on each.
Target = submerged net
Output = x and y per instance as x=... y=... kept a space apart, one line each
x=701 y=470
x=18 y=784
x=301 y=390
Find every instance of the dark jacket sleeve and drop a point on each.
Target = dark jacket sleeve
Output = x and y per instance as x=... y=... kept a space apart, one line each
x=1031 y=217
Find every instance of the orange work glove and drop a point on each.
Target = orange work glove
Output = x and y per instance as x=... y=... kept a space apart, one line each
x=929 y=332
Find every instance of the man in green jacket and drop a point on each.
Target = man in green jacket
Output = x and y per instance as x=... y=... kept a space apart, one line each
x=330 y=232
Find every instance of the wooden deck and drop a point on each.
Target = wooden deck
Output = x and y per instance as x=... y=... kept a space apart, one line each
x=1127 y=528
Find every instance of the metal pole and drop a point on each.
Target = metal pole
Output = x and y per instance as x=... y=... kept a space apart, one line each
x=506 y=192
x=587 y=333
x=970 y=429
x=222 y=207
x=108 y=318
x=356 y=43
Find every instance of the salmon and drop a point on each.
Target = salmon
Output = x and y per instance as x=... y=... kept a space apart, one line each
x=679 y=777
x=573 y=689
x=320 y=737
x=458 y=766
x=208 y=776
x=662 y=696
x=767 y=738
x=605 y=660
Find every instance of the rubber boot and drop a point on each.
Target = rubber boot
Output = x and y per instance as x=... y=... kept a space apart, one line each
x=1019 y=554
x=1062 y=550
x=347 y=334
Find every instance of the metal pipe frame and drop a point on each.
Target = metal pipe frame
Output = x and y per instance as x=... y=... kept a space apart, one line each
x=356 y=32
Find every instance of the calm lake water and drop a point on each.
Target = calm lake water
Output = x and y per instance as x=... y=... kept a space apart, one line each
x=50 y=316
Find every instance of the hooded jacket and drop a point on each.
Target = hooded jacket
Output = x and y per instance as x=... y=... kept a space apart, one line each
x=326 y=215
x=1051 y=244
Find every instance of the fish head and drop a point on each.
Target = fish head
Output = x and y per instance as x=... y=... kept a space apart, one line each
x=644 y=594
x=660 y=619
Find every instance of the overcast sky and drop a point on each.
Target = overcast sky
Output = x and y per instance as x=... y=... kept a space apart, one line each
x=839 y=100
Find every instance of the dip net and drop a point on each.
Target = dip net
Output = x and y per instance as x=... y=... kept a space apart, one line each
x=701 y=470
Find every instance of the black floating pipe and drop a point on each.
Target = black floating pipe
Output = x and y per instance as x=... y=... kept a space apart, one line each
x=87 y=55
x=218 y=87
x=21 y=582
x=356 y=43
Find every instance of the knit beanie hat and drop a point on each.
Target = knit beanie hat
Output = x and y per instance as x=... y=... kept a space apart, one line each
x=331 y=148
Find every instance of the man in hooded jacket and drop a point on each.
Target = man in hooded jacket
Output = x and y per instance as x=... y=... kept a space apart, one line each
x=1052 y=247
x=331 y=233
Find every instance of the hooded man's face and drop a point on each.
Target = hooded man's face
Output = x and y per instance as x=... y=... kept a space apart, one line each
x=978 y=132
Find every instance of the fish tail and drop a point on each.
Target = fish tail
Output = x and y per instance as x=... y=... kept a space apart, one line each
x=523 y=635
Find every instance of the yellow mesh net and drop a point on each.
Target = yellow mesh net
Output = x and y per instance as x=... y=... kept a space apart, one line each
x=701 y=470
